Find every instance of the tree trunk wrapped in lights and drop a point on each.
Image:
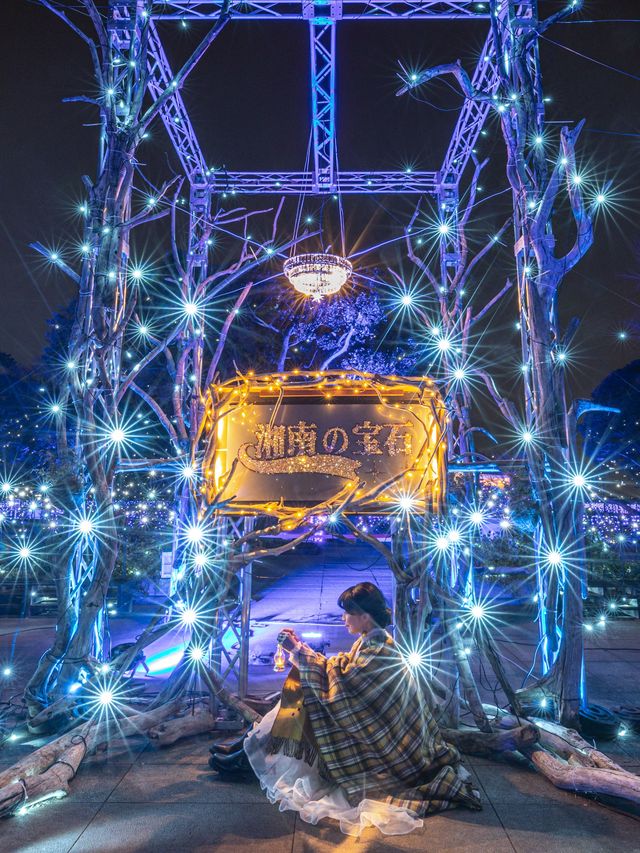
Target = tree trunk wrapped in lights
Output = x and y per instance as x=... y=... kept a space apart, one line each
x=91 y=428
x=538 y=192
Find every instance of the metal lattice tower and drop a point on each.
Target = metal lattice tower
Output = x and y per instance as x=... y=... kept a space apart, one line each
x=323 y=19
x=323 y=177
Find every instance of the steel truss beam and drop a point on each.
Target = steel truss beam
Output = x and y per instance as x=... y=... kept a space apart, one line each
x=472 y=117
x=291 y=10
x=322 y=38
x=233 y=621
x=292 y=183
x=322 y=16
x=174 y=113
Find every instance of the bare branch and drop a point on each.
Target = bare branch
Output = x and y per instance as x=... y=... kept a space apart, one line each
x=582 y=217
x=147 y=359
x=492 y=302
x=486 y=248
x=276 y=219
x=424 y=269
x=394 y=565
x=343 y=346
x=82 y=99
x=85 y=38
x=455 y=68
x=145 y=464
x=473 y=191
x=157 y=410
x=224 y=332
x=507 y=408
x=73 y=275
x=98 y=23
x=145 y=216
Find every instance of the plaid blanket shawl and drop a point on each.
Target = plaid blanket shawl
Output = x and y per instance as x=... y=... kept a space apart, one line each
x=373 y=731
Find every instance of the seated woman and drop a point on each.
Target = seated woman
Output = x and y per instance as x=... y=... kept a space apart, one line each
x=352 y=737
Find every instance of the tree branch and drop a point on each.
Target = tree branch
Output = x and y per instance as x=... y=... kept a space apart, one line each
x=454 y=68
x=344 y=346
x=224 y=332
x=155 y=407
x=507 y=408
x=483 y=251
x=491 y=302
x=73 y=275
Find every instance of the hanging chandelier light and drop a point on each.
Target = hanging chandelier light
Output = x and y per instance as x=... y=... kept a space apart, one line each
x=317 y=274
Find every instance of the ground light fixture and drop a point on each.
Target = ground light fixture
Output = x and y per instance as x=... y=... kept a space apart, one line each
x=317 y=274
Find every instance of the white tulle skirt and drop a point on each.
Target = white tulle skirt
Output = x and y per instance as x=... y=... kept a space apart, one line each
x=294 y=785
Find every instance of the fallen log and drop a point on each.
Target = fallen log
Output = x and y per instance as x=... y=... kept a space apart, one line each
x=570 y=776
x=565 y=750
x=54 y=782
x=46 y=772
x=199 y=721
x=41 y=759
x=134 y=724
x=575 y=740
x=473 y=742
x=66 y=707
x=62 y=708
x=566 y=760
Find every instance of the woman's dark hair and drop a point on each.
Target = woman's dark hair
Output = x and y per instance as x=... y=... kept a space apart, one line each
x=366 y=598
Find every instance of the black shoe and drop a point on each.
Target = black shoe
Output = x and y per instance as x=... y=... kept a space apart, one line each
x=235 y=764
x=226 y=747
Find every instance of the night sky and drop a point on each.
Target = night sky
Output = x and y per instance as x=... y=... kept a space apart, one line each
x=249 y=103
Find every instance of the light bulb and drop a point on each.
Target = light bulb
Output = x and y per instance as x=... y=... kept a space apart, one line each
x=414 y=659
x=105 y=697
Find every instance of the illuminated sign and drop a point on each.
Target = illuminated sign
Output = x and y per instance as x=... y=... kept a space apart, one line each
x=282 y=443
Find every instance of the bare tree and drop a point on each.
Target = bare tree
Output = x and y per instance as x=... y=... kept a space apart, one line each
x=543 y=188
x=89 y=429
x=457 y=315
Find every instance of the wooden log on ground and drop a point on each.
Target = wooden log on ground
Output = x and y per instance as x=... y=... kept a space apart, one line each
x=135 y=724
x=63 y=707
x=473 y=742
x=585 y=771
x=566 y=742
x=570 y=776
x=575 y=740
x=95 y=734
x=41 y=759
x=195 y=723
x=54 y=782
x=565 y=750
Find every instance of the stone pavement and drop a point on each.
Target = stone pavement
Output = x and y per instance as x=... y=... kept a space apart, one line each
x=139 y=798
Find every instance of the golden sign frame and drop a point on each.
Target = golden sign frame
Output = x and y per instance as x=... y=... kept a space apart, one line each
x=420 y=485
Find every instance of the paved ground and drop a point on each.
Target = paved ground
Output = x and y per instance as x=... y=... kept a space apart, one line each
x=141 y=799
x=137 y=798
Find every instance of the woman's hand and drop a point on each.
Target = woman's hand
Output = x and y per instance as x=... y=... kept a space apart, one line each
x=288 y=639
